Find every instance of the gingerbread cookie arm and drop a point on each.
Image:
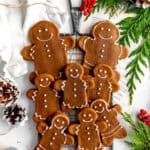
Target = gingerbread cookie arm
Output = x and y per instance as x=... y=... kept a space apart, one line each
x=115 y=86
x=117 y=108
x=73 y=129
x=69 y=140
x=41 y=127
x=59 y=85
x=32 y=93
x=122 y=51
x=68 y=42
x=102 y=126
x=89 y=82
x=82 y=42
x=28 y=52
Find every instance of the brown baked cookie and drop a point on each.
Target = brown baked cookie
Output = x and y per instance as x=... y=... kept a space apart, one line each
x=101 y=46
x=46 y=99
x=109 y=115
x=87 y=131
x=54 y=137
x=105 y=83
x=48 y=50
x=74 y=88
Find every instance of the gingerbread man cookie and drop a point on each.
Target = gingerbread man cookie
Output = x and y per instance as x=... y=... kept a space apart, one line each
x=74 y=88
x=46 y=99
x=87 y=131
x=101 y=46
x=105 y=83
x=48 y=50
x=109 y=115
x=54 y=137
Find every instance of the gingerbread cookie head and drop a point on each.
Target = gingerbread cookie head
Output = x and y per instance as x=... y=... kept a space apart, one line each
x=103 y=71
x=99 y=105
x=105 y=30
x=43 y=31
x=87 y=115
x=74 y=71
x=43 y=80
x=60 y=121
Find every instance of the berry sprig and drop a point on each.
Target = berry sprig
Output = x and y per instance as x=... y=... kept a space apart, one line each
x=144 y=116
x=87 y=6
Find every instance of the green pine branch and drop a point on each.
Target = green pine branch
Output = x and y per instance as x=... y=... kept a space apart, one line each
x=140 y=134
x=111 y=6
x=132 y=28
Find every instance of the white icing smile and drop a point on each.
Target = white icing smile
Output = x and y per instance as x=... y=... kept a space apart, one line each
x=58 y=127
x=106 y=38
x=74 y=76
x=41 y=85
x=100 y=76
x=87 y=121
x=99 y=111
x=44 y=40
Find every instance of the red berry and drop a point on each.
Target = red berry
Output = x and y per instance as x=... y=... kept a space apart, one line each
x=139 y=116
x=148 y=123
x=148 y=117
x=143 y=112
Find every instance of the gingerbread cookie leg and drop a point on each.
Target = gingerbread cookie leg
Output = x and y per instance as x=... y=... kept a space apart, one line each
x=121 y=134
x=32 y=77
x=124 y=52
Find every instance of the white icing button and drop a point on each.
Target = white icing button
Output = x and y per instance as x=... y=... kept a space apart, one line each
x=102 y=28
x=75 y=84
x=101 y=84
x=89 y=139
x=42 y=79
x=45 y=100
x=46 y=29
x=46 y=79
x=45 y=106
x=104 y=117
x=103 y=50
x=88 y=128
x=46 y=45
x=98 y=93
x=104 y=45
x=55 y=133
x=53 y=138
x=45 y=95
x=51 y=143
x=109 y=125
x=99 y=89
x=75 y=89
x=48 y=50
x=107 y=121
x=109 y=29
x=102 y=56
x=88 y=133
x=49 y=55
x=75 y=95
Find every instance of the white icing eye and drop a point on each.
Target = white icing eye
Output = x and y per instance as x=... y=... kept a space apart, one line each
x=84 y=115
x=100 y=105
x=76 y=70
x=46 y=79
x=46 y=29
x=95 y=107
x=39 y=30
x=102 y=28
x=63 y=122
x=105 y=72
x=42 y=80
x=100 y=70
x=57 y=120
x=71 y=70
x=109 y=29
x=89 y=115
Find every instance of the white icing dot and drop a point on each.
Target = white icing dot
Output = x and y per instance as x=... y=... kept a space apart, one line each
x=102 y=56
x=109 y=29
x=46 y=29
x=99 y=89
x=75 y=84
x=45 y=100
x=100 y=105
x=105 y=71
x=39 y=30
x=88 y=133
x=46 y=45
x=45 y=95
x=51 y=143
x=88 y=128
x=101 y=84
x=75 y=95
x=102 y=28
x=45 y=106
x=95 y=107
x=100 y=70
x=53 y=138
x=77 y=70
x=48 y=50
x=89 y=139
x=98 y=93
x=84 y=115
x=63 y=122
x=55 y=133
x=109 y=125
x=57 y=120
x=46 y=79
x=89 y=115
x=75 y=89
x=49 y=55
x=107 y=121
x=71 y=70
x=42 y=79
x=104 y=117
x=103 y=50
x=104 y=45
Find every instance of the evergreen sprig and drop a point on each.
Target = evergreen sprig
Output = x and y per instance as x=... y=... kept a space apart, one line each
x=132 y=28
x=111 y=6
x=140 y=135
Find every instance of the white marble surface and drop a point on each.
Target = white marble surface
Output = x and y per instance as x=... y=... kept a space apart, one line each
x=25 y=137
